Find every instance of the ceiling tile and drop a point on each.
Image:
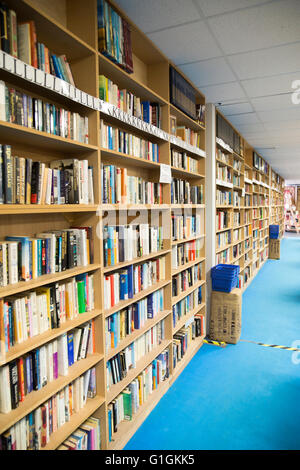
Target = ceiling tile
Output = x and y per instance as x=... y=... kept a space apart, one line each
x=277 y=115
x=152 y=16
x=244 y=119
x=264 y=26
x=238 y=108
x=215 y=7
x=222 y=93
x=273 y=61
x=176 y=43
x=273 y=102
x=279 y=125
x=271 y=85
x=209 y=72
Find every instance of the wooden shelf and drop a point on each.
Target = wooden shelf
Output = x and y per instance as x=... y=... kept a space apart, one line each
x=182 y=321
x=141 y=259
x=188 y=291
x=187 y=265
x=6 y=209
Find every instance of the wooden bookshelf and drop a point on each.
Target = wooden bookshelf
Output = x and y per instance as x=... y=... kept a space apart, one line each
x=261 y=205
x=70 y=27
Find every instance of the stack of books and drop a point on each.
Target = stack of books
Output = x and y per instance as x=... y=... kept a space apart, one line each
x=119 y=366
x=20 y=41
x=34 y=113
x=129 y=103
x=127 y=403
x=127 y=242
x=23 y=317
x=123 y=323
x=113 y=138
x=86 y=437
x=35 y=430
x=114 y=36
x=24 y=181
x=43 y=365
x=125 y=284
x=23 y=258
x=120 y=188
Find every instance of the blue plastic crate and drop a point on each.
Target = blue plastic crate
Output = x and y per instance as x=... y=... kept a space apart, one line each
x=225 y=277
x=274 y=231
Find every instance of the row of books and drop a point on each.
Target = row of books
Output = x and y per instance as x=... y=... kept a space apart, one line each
x=19 y=39
x=189 y=136
x=121 y=324
x=43 y=365
x=229 y=135
x=183 y=161
x=248 y=188
x=223 y=239
x=223 y=173
x=248 y=200
x=223 y=197
x=186 y=305
x=86 y=437
x=34 y=113
x=46 y=308
x=260 y=164
x=182 y=192
x=127 y=242
x=129 y=103
x=223 y=157
x=114 y=36
x=185 y=226
x=185 y=252
x=34 y=431
x=120 y=188
x=113 y=138
x=118 y=367
x=237 y=250
x=24 y=181
x=237 y=165
x=236 y=180
x=24 y=258
x=184 y=337
x=125 y=284
x=236 y=218
x=237 y=234
x=222 y=220
x=223 y=257
x=237 y=199
x=185 y=279
x=129 y=401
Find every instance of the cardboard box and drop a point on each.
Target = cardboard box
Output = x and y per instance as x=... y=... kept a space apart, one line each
x=274 y=248
x=226 y=316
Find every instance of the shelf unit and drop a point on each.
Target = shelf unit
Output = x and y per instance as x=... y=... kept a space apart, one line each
x=243 y=229
x=70 y=27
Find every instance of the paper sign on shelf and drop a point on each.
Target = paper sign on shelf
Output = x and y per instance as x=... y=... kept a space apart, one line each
x=57 y=84
x=77 y=95
x=83 y=98
x=65 y=88
x=1 y=60
x=243 y=192
x=165 y=174
x=72 y=92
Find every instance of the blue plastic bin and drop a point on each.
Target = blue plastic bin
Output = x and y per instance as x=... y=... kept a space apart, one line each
x=225 y=277
x=274 y=231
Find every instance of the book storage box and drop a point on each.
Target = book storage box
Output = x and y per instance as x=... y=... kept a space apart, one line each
x=274 y=249
x=226 y=316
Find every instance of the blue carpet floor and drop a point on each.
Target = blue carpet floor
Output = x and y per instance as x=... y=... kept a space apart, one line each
x=244 y=396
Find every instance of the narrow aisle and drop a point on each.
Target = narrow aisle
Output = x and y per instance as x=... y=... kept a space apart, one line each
x=244 y=396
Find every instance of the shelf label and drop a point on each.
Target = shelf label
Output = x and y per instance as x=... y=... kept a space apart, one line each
x=165 y=174
x=57 y=84
x=8 y=63
x=83 y=98
x=39 y=77
x=1 y=60
x=72 y=92
x=65 y=88
x=29 y=72
x=49 y=81
x=90 y=101
x=77 y=95
x=19 y=68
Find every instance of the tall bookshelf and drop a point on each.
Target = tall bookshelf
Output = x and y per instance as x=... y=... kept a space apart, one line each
x=249 y=197
x=70 y=27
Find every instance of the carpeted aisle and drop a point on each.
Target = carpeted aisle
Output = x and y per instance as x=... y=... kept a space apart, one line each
x=244 y=396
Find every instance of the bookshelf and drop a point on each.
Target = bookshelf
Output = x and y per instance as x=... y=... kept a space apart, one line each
x=70 y=27
x=242 y=222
